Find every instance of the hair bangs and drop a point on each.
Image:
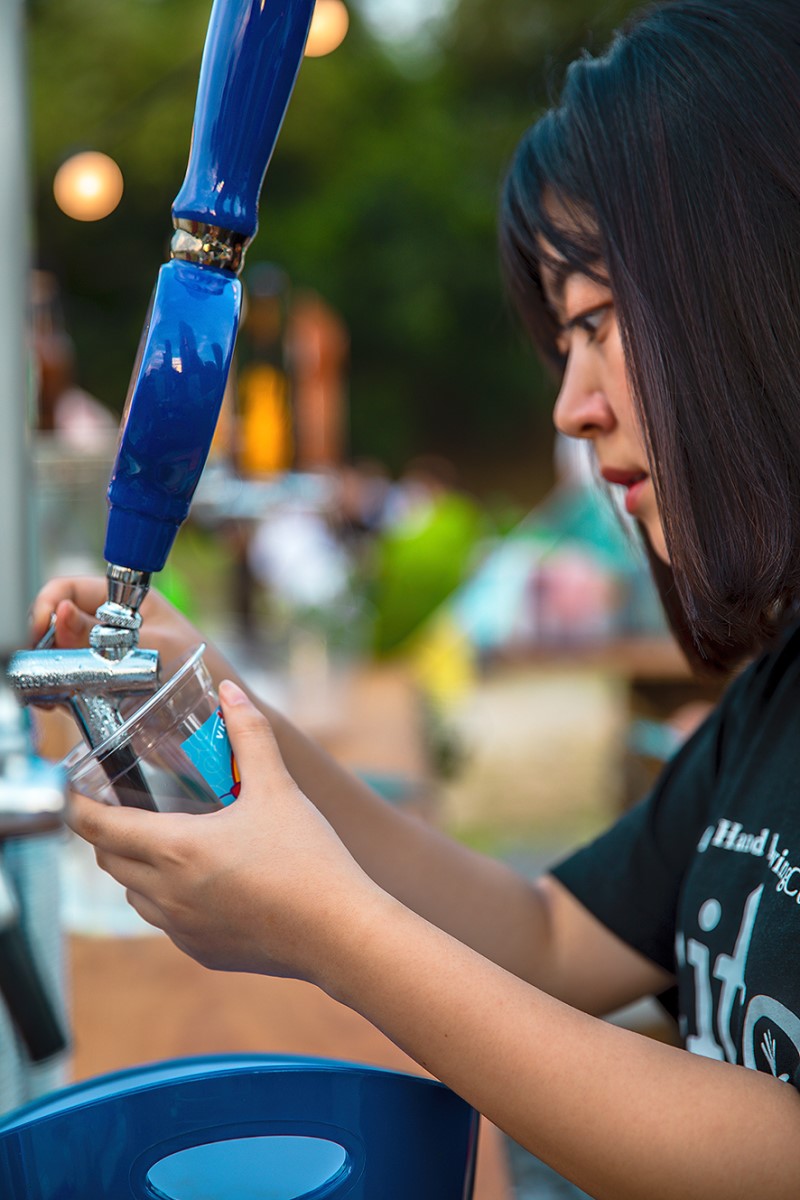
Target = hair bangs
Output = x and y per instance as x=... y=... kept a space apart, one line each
x=546 y=223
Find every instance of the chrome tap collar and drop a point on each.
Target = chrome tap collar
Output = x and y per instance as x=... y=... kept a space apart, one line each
x=208 y=245
x=127 y=587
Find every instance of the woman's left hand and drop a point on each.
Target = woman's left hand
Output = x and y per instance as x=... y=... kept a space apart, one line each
x=264 y=885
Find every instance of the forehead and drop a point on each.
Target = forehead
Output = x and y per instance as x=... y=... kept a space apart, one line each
x=560 y=278
x=554 y=272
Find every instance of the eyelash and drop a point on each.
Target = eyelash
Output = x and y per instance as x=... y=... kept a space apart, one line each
x=584 y=323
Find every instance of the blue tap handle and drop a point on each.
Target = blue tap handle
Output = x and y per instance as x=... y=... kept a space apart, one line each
x=252 y=55
x=250 y=63
x=172 y=411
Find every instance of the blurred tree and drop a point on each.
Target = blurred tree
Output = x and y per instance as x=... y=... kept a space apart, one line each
x=118 y=78
x=381 y=196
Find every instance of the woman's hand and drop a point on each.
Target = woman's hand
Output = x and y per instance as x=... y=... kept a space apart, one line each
x=264 y=885
x=75 y=601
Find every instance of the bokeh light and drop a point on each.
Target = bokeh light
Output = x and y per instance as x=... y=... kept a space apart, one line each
x=88 y=186
x=329 y=27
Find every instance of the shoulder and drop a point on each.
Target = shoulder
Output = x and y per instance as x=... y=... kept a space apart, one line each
x=775 y=672
x=762 y=701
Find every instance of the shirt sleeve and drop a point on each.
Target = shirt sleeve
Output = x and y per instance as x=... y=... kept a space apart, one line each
x=630 y=876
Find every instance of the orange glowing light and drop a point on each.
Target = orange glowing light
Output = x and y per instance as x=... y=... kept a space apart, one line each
x=329 y=26
x=88 y=186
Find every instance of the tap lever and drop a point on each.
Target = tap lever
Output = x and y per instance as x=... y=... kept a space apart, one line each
x=46 y=641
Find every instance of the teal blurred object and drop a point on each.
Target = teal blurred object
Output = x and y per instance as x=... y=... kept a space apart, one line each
x=578 y=517
x=397 y=789
x=33 y=1019
x=654 y=739
x=32 y=865
x=253 y=1127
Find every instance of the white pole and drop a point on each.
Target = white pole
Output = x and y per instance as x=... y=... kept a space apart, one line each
x=17 y=557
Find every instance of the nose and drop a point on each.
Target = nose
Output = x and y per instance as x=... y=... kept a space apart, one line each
x=582 y=409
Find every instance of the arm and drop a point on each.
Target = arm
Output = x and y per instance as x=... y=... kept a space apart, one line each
x=537 y=931
x=266 y=886
x=622 y=1116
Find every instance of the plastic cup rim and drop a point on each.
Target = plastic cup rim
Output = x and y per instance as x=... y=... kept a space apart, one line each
x=72 y=763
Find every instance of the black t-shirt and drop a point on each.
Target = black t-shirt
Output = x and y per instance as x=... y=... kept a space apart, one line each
x=703 y=877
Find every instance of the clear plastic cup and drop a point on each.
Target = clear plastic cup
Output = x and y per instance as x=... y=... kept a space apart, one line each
x=171 y=755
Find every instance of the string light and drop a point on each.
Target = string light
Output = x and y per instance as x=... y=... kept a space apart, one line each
x=88 y=186
x=329 y=26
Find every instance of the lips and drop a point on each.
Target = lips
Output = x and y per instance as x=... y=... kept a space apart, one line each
x=633 y=481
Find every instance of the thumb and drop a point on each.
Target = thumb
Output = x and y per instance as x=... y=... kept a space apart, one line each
x=251 y=736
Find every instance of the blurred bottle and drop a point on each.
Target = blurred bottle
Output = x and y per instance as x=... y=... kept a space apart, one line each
x=318 y=345
x=266 y=436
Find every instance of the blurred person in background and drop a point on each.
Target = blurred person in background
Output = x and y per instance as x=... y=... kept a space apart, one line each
x=64 y=409
x=650 y=232
x=361 y=492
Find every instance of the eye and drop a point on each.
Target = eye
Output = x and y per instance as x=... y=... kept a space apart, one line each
x=589 y=322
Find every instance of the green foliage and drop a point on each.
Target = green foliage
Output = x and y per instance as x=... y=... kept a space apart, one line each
x=381 y=196
x=421 y=561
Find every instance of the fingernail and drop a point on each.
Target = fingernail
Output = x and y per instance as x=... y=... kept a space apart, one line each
x=231 y=693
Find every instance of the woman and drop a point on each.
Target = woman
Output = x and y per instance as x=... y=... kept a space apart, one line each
x=650 y=233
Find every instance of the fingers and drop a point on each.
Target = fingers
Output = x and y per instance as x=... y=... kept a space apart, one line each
x=131 y=873
x=72 y=626
x=146 y=909
x=77 y=598
x=251 y=736
x=130 y=833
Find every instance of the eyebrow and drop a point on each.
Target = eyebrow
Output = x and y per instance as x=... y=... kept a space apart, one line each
x=560 y=271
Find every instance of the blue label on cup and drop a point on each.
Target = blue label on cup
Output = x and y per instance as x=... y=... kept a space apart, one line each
x=209 y=749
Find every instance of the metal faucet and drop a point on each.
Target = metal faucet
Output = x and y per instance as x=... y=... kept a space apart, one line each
x=95 y=683
x=250 y=62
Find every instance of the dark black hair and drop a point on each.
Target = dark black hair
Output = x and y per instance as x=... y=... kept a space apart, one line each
x=671 y=165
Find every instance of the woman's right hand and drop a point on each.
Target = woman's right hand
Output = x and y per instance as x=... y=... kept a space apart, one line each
x=75 y=600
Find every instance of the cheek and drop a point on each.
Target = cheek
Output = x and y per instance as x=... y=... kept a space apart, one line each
x=624 y=405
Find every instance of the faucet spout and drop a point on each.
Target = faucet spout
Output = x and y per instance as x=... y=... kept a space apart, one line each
x=118 y=620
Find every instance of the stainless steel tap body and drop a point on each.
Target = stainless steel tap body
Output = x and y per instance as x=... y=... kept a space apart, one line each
x=94 y=683
x=90 y=684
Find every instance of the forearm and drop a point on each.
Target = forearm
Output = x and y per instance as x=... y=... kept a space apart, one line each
x=624 y=1117
x=533 y=930
x=477 y=900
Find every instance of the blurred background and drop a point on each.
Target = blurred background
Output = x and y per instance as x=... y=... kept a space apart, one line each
x=388 y=538
x=381 y=199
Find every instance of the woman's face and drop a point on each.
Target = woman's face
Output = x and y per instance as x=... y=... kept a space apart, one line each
x=595 y=400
